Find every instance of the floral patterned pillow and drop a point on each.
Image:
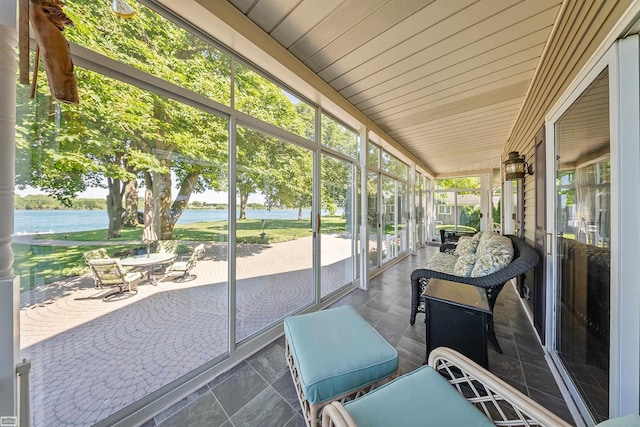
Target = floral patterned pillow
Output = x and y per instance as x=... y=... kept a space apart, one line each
x=464 y=265
x=466 y=245
x=496 y=254
x=476 y=237
x=484 y=241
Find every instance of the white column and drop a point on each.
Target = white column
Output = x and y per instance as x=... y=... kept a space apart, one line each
x=9 y=288
x=364 y=233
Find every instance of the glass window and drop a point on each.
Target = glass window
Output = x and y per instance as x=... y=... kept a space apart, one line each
x=261 y=98
x=338 y=137
x=153 y=44
x=83 y=176
x=374 y=155
x=393 y=166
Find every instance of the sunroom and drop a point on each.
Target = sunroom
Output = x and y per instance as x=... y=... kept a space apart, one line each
x=311 y=154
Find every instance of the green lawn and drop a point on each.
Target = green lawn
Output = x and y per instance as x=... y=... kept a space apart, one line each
x=43 y=264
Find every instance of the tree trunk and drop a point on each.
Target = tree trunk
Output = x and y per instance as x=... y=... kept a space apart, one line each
x=299 y=213
x=184 y=194
x=131 y=204
x=114 y=207
x=162 y=194
x=244 y=198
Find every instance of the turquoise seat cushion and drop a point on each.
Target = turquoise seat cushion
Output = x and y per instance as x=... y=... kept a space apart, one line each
x=336 y=351
x=632 y=420
x=420 y=398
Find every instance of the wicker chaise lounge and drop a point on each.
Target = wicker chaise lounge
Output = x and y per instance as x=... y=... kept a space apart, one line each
x=524 y=259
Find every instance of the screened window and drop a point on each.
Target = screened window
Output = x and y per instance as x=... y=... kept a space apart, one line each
x=261 y=98
x=337 y=136
x=152 y=44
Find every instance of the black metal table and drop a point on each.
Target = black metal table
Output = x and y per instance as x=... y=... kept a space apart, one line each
x=456 y=317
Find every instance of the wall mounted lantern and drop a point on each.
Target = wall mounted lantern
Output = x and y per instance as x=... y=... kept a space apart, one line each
x=515 y=167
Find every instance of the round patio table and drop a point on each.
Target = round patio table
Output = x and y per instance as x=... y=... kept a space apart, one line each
x=148 y=260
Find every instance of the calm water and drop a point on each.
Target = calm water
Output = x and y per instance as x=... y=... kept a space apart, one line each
x=34 y=221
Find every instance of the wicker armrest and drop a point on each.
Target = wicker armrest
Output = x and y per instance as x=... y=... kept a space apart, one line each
x=499 y=401
x=334 y=415
x=448 y=247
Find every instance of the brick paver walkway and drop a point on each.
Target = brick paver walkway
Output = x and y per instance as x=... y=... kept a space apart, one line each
x=92 y=358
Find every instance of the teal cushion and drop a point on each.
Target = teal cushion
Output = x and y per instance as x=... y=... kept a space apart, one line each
x=420 y=398
x=632 y=420
x=336 y=351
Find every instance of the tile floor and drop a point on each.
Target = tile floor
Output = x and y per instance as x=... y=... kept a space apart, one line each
x=259 y=390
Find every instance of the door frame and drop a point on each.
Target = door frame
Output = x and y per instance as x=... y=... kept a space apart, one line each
x=622 y=59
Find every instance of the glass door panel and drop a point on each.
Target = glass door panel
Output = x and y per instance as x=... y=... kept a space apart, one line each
x=336 y=255
x=274 y=242
x=402 y=238
x=373 y=219
x=468 y=207
x=389 y=219
x=582 y=225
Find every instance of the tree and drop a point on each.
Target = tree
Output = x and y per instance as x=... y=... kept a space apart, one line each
x=279 y=170
x=114 y=136
x=121 y=137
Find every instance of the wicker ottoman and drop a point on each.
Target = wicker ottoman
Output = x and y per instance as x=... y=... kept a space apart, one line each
x=335 y=354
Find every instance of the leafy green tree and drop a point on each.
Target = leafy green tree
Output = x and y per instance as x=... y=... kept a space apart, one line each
x=279 y=170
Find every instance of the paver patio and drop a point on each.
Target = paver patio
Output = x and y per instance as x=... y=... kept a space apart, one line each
x=92 y=358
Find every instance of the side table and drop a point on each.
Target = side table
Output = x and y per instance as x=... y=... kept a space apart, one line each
x=456 y=317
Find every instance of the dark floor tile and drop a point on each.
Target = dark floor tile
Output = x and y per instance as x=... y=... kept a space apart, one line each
x=407 y=366
x=285 y=387
x=526 y=338
x=417 y=332
x=182 y=404
x=296 y=421
x=204 y=412
x=533 y=355
x=400 y=310
x=506 y=367
x=509 y=348
x=237 y=390
x=223 y=376
x=541 y=379
x=411 y=350
x=380 y=305
x=392 y=337
x=371 y=315
x=270 y=362
x=553 y=404
x=393 y=322
x=268 y=408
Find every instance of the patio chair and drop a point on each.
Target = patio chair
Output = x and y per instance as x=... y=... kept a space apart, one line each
x=100 y=253
x=165 y=247
x=109 y=273
x=183 y=266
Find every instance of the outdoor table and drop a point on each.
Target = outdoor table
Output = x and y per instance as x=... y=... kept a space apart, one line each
x=149 y=261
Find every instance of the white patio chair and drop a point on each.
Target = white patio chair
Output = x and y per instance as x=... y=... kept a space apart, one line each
x=183 y=266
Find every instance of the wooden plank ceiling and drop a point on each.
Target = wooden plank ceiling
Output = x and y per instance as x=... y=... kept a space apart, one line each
x=445 y=78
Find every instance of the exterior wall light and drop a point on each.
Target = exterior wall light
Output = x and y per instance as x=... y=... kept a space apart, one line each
x=515 y=167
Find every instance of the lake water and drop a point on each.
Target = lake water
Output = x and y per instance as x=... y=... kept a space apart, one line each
x=63 y=221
